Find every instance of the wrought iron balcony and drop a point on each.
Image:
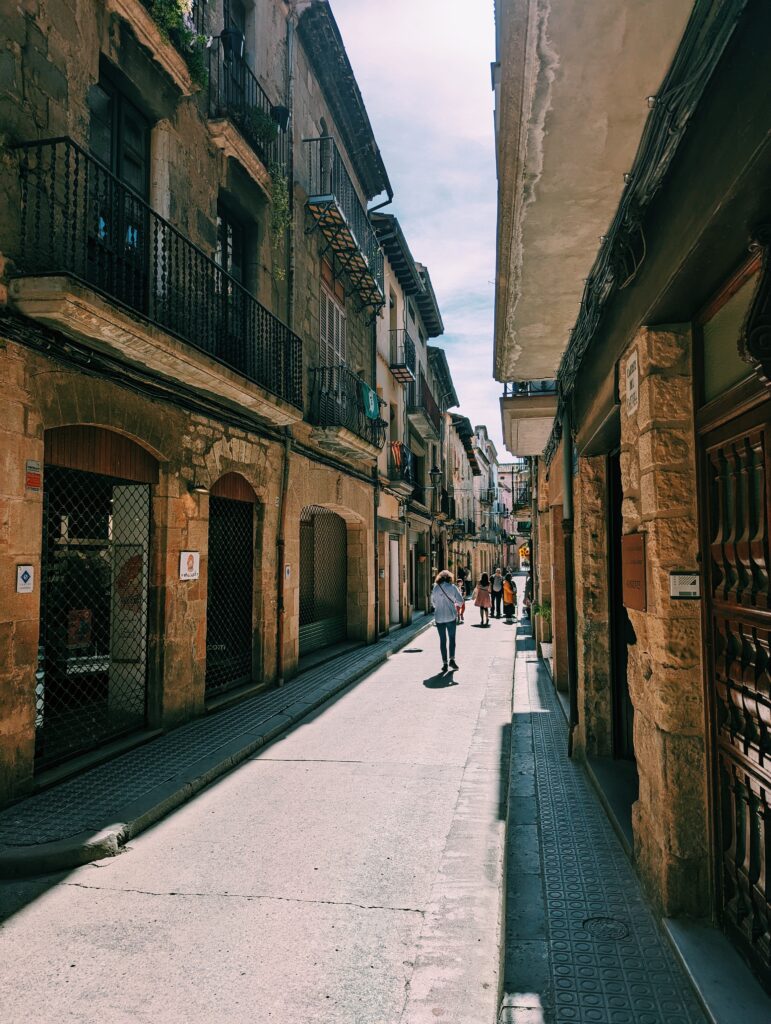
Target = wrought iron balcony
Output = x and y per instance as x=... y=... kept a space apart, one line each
x=343 y=221
x=471 y=528
x=401 y=469
x=79 y=221
x=402 y=356
x=522 y=497
x=529 y=388
x=340 y=407
x=235 y=93
x=422 y=410
x=488 y=495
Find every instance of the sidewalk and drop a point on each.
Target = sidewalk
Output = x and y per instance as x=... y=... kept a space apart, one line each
x=94 y=814
x=582 y=944
x=350 y=872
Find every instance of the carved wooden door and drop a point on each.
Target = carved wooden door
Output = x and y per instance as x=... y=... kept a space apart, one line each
x=736 y=467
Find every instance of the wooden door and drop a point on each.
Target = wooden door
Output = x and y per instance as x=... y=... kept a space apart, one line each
x=735 y=509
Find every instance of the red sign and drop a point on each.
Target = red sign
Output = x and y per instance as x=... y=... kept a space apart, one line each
x=33 y=475
x=633 y=571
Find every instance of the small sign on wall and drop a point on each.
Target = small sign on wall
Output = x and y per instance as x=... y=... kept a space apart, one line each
x=685 y=586
x=33 y=476
x=287 y=572
x=633 y=571
x=25 y=579
x=189 y=565
x=632 y=384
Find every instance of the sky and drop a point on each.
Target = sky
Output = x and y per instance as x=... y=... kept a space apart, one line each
x=423 y=67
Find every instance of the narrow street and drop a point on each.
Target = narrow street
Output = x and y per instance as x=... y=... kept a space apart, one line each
x=351 y=872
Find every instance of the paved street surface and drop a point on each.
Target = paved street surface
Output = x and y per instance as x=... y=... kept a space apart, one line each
x=581 y=942
x=349 y=873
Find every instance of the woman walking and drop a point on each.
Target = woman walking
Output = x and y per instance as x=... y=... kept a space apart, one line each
x=509 y=597
x=446 y=599
x=483 y=600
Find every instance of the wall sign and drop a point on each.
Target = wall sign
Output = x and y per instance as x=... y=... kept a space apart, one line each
x=633 y=571
x=33 y=476
x=189 y=565
x=25 y=579
x=632 y=384
x=685 y=586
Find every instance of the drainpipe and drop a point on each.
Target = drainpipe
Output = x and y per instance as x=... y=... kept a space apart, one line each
x=281 y=549
x=570 y=587
x=290 y=256
x=375 y=506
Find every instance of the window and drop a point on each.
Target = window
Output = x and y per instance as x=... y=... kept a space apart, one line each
x=332 y=345
x=120 y=136
x=230 y=244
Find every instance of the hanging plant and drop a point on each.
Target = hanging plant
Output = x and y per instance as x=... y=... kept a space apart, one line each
x=173 y=18
x=280 y=214
x=260 y=126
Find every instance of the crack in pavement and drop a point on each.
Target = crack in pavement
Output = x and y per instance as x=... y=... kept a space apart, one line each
x=245 y=896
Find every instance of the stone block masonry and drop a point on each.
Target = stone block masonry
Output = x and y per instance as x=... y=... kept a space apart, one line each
x=658 y=469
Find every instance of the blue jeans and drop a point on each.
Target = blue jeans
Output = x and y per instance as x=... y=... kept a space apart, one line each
x=445 y=629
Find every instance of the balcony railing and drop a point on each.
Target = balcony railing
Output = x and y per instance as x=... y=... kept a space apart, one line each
x=402 y=357
x=343 y=221
x=488 y=495
x=79 y=219
x=529 y=388
x=420 y=400
x=235 y=93
x=401 y=468
x=522 y=497
x=338 y=400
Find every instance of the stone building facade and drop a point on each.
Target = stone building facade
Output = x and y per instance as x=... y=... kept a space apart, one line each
x=652 y=494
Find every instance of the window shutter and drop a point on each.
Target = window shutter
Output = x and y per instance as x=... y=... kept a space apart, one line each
x=324 y=345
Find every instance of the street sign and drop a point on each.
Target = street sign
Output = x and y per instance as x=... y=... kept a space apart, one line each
x=25 y=579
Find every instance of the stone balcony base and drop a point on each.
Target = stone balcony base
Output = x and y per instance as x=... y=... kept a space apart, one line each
x=73 y=308
x=341 y=441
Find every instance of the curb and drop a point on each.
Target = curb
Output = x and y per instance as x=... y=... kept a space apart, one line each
x=109 y=839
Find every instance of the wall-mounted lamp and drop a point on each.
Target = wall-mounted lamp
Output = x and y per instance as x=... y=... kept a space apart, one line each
x=196 y=487
x=435 y=475
x=280 y=115
x=232 y=40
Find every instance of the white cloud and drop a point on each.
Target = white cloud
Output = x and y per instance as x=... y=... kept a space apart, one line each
x=423 y=67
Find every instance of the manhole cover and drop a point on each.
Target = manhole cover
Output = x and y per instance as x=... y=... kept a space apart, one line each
x=413 y=650
x=605 y=928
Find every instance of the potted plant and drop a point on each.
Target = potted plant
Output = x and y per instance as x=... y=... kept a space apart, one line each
x=544 y=611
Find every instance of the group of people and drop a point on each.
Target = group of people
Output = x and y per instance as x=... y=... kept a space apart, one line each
x=449 y=601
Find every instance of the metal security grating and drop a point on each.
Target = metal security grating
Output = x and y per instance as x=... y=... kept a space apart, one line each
x=230 y=588
x=92 y=664
x=323 y=579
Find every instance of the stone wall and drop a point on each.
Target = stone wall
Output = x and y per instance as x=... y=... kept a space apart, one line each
x=658 y=469
x=594 y=734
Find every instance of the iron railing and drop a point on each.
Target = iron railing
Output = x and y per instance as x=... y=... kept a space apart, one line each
x=235 y=93
x=402 y=355
x=329 y=178
x=522 y=496
x=471 y=528
x=420 y=399
x=338 y=400
x=78 y=218
x=488 y=495
x=529 y=388
x=420 y=496
x=402 y=463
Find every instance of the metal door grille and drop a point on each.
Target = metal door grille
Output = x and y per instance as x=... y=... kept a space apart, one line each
x=92 y=666
x=230 y=588
x=323 y=579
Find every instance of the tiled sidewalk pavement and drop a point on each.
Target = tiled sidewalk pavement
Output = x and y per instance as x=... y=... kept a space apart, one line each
x=582 y=944
x=93 y=814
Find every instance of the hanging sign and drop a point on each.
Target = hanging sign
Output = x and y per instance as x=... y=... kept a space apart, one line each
x=370 y=400
x=25 y=579
x=632 y=384
x=189 y=565
x=684 y=586
x=633 y=571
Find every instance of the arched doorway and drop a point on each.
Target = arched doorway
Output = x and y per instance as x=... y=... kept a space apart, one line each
x=323 y=578
x=230 y=589
x=92 y=680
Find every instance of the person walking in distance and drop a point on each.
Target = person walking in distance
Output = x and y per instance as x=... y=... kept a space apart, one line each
x=496 y=592
x=446 y=599
x=509 y=597
x=482 y=599
x=462 y=607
